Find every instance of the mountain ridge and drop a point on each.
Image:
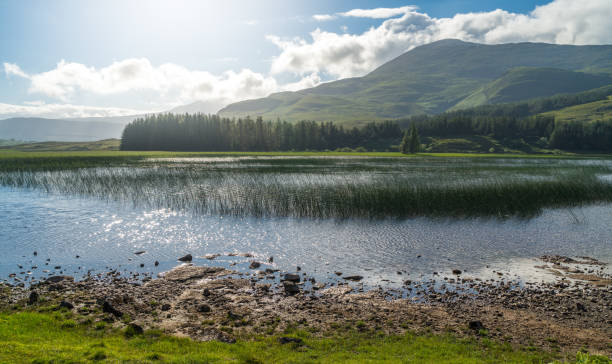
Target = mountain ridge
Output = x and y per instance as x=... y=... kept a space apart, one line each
x=425 y=80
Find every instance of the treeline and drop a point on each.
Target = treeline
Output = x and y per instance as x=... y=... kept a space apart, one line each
x=521 y=120
x=504 y=122
x=199 y=132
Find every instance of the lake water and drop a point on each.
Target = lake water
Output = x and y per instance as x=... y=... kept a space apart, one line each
x=105 y=234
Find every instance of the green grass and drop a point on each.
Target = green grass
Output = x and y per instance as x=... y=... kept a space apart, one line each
x=29 y=337
x=592 y=111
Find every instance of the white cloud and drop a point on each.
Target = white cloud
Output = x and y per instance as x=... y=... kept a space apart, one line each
x=346 y=55
x=164 y=87
x=323 y=17
x=378 y=13
x=41 y=109
x=11 y=69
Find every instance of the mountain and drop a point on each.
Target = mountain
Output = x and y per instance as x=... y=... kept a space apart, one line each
x=204 y=107
x=437 y=77
x=39 y=129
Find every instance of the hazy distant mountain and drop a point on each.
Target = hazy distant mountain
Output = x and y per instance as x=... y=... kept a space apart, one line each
x=439 y=76
x=39 y=129
x=204 y=107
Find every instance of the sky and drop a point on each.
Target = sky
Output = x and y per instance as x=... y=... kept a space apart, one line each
x=73 y=58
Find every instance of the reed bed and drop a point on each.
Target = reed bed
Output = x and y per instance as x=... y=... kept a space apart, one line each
x=337 y=188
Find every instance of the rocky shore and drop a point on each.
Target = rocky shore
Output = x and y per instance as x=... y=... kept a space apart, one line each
x=215 y=303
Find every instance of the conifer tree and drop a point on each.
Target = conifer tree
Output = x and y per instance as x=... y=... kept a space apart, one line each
x=405 y=143
x=415 y=143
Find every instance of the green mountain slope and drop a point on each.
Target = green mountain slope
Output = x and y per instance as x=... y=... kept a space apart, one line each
x=592 y=111
x=527 y=83
x=429 y=79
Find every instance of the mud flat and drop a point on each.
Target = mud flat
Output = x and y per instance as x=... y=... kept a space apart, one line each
x=215 y=303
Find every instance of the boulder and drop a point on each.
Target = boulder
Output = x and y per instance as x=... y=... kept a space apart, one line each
x=355 y=278
x=33 y=297
x=254 y=265
x=286 y=340
x=58 y=279
x=291 y=288
x=186 y=258
x=204 y=308
x=66 y=304
x=476 y=325
x=108 y=308
x=291 y=277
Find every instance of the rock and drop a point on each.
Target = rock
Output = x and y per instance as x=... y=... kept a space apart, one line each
x=203 y=308
x=166 y=307
x=355 y=278
x=141 y=265
x=185 y=272
x=246 y=255
x=476 y=325
x=456 y=271
x=211 y=256
x=286 y=340
x=580 y=307
x=108 y=308
x=33 y=297
x=206 y=292
x=57 y=279
x=186 y=258
x=291 y=288
x=140 y=252
x=136 y=329
x=66 y=304
x=291 y=277
x=254 y=265
x=57 y=267
x=271 y=260
x=338 y=273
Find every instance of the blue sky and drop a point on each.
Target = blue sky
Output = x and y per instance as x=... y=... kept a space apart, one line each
x=119 y=57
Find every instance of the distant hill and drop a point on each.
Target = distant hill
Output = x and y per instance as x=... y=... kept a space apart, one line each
x=203 y=107
x=438 y=77
x=100 y=145
x=39 y=129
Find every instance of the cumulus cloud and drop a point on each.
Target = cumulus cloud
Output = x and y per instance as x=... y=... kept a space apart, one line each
x=347 y=55
x=172 y=84
x=11 y=69
x=378 y=13
x=323 y=17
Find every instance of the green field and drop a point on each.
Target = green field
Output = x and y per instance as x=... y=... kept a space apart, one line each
x=63 y=337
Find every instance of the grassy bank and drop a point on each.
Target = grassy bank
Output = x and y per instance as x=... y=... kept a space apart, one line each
x=61 y=336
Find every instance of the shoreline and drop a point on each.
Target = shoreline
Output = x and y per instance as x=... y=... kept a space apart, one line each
x=214 y=303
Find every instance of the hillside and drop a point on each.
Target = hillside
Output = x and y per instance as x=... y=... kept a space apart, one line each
x=592 y=111
x=435 y=78
x=528 y=83
x=39 y=129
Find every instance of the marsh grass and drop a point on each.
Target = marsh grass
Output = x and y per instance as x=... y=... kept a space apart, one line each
x=338 y=187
